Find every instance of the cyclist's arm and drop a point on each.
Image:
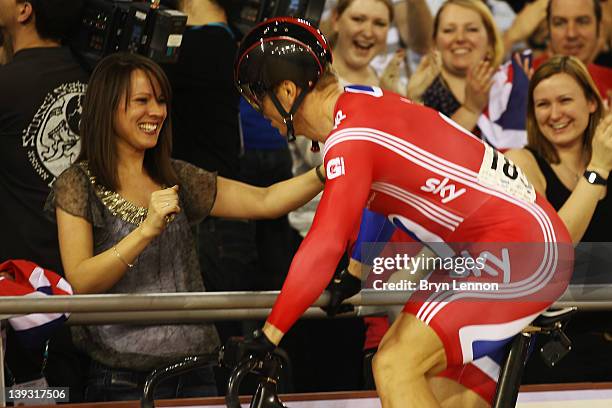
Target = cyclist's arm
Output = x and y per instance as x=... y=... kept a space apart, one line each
x=337 y=215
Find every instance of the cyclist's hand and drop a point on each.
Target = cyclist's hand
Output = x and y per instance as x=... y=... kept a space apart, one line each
x=343 y=286
x=259 y=345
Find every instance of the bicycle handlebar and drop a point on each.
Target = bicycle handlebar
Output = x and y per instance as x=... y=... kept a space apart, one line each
x=233 y=385
x=172 y=370
x=268 y=373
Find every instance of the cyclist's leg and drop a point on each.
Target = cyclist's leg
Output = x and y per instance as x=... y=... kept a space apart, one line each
x=451 y=394
x=409 y=352
x=413 y=352
x=441 y=329
x=470 y=385
x=439 y=364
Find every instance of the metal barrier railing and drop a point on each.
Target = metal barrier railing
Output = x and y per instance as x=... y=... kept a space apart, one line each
x=11 y=305
x=181 y=308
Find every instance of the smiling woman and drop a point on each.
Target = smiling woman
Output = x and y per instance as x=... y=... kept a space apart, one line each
x=360 y=30
x=124 y=212
x=455 y=78
x=567 y=137
x=139 y=124
x=568 y=159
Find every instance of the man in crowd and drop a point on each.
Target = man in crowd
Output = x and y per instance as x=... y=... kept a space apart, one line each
x=41 y=89
x=575 y=28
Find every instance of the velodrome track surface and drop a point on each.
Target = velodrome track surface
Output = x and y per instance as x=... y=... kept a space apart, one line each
x=536 y=396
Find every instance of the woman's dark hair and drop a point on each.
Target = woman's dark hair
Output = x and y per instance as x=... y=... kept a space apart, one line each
x=573 y=67
x=109 y=82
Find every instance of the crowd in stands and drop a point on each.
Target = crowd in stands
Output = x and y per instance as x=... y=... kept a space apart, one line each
x=92 y=164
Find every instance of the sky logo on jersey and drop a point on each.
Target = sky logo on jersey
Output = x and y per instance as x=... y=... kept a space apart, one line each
x=448 y=192
x=335 y=168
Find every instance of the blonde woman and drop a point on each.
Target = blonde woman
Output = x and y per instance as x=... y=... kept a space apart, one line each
x=455 y=78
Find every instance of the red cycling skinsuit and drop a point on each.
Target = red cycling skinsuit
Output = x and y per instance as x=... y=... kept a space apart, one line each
x=440 y=184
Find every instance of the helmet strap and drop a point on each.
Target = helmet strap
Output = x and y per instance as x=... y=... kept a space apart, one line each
x=288 y=116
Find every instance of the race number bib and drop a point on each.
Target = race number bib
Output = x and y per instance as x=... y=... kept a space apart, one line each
x=499 y=173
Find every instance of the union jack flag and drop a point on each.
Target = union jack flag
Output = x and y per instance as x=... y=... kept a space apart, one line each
x=30 y=280
x=503 y=123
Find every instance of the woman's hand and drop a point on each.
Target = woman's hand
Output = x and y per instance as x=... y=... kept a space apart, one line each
x=524 y=61
x=601 y=158
x=428 y=70
x=163 y=204
x=607 y=102
x=391 y=75
x=477 y=87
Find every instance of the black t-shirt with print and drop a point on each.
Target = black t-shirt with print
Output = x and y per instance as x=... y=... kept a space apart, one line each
x=41 y=93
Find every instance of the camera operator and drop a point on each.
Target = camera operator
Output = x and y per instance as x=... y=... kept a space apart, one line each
x=40 y=104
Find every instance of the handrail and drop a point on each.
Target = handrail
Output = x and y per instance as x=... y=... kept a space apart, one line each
x=179 y=308
x=181 y=316
x=11 y=305
x=199 y=316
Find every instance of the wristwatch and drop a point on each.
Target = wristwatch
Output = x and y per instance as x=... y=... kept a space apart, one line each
x=594 y=178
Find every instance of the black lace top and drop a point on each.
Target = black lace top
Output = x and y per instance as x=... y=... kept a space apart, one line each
x=439 y=97
x=169 y=264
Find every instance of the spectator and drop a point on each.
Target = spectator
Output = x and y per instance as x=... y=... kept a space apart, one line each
x=567 y=137
x=204 y=67
x=605 y=56
x=40 y=105
x=123 y=230
x=410 y=33
x=528 y=22
x=354 y=23
x=360 y=29
x=455 y=79
x=575 y=29
x=5 y=49
x=502 y=12
x=203 y=85
x=408 y=38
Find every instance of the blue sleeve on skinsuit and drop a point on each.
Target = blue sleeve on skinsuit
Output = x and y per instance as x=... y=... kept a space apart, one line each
x=375 y=231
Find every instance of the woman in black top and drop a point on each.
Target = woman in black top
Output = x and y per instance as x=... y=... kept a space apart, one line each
x=566 y=138
x=568 y=159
